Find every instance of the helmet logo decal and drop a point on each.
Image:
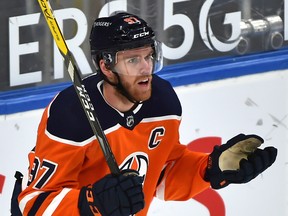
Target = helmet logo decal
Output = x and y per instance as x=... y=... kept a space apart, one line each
x=108 y=58
x=132 y=20
x=106 y=24
x=142 y=34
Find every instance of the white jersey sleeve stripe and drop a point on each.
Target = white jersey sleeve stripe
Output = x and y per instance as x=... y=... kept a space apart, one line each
x=55 y=202
x=162 y=118
x=160 y=190
x=27 y=198
x=69 y=142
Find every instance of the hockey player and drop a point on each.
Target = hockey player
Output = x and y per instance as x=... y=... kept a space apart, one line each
x=140 y=115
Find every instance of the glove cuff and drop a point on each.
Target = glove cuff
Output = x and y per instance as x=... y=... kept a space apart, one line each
x=213 y=173
x=86 y=204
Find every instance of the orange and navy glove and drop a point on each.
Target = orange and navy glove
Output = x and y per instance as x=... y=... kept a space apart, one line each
x=238 y=161
x=113 y=195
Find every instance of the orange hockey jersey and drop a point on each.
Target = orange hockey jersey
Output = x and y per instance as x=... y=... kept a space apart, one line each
x=67 y=155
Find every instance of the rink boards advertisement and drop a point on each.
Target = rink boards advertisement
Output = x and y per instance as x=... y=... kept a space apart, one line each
x=189 y=30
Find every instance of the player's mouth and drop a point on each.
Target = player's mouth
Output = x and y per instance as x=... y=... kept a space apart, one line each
x=144 y=82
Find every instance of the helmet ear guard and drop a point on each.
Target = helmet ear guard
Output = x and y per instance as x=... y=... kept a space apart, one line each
x=108 y=58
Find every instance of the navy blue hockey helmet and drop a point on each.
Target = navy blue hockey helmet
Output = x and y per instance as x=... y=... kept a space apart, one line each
x=122 y=31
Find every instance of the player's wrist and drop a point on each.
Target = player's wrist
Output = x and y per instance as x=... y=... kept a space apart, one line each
x=86 y=202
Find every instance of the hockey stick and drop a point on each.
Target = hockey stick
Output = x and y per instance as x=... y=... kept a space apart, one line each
x=79 y=87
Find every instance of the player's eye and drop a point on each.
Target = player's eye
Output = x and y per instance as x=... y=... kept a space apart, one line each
x=134 y=60
x=149 y=57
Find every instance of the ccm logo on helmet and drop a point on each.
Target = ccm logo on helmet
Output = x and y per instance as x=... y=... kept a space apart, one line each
x=142 y=34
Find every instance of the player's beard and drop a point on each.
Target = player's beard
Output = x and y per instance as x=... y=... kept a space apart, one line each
x=140 y=89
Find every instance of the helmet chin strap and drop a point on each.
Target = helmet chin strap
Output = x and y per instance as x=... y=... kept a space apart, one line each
x=122 y=90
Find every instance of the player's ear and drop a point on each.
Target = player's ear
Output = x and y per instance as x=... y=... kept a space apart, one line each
x=105 y=70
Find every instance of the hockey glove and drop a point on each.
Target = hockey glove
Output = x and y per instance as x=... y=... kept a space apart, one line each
x=113 y=195
x=238 y=161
